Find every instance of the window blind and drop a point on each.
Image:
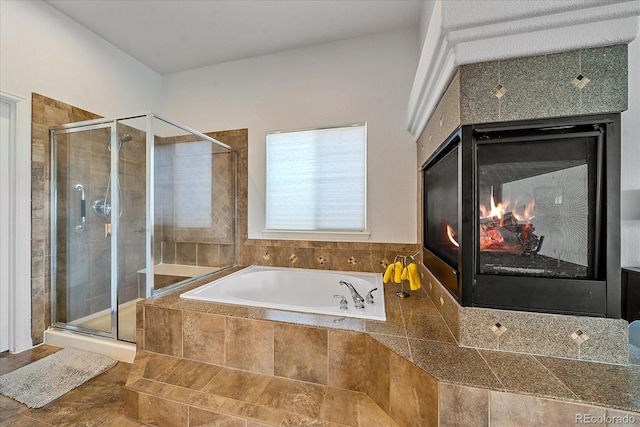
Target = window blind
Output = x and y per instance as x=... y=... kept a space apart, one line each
x=316 y=179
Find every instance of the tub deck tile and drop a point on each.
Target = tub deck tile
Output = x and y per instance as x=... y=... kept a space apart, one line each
x=414 y=330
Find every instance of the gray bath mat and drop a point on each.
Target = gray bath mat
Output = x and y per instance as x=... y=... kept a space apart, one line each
x=45 y=380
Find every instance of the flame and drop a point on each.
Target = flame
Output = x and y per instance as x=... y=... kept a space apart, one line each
x=498 y=210
x=450 y=236
x=527 y=213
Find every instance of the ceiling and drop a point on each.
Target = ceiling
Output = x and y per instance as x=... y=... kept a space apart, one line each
x=176 y=35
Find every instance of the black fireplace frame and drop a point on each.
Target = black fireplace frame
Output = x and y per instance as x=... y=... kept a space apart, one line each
x=600 y=296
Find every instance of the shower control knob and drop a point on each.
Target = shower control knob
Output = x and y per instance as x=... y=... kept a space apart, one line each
x=343 y=302
x=102 y=208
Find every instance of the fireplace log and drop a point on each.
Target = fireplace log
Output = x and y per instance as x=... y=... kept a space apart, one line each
x=507 y=236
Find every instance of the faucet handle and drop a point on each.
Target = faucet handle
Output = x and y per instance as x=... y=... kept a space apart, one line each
x=369 y=297
x=343 y=302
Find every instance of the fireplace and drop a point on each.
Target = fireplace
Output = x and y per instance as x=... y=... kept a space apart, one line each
x=525 y=215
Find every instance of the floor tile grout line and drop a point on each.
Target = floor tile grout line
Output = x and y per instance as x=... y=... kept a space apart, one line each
x=491 y=369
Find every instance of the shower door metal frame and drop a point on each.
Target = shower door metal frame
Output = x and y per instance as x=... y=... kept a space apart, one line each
x=70 y=129
x=150 y=291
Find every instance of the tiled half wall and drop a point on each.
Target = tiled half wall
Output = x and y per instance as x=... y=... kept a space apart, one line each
x=177 y=339
x=587 y=81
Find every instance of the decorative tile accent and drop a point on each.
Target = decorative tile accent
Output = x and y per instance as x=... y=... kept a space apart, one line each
x=477 y=104
x=608 y=340
x=579 y=337
x=498 y=91
x=266 y=256
x=538 y=86
x=321 y=260
x=352 y=261
x=498 y=329
x=293 y=258
x=580 y=81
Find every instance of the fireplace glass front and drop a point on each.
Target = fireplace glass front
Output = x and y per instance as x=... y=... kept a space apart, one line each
x=525 y=215
x=536 y=207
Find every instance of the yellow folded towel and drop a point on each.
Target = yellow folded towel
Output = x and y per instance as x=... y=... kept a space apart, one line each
x=405 y=274
x=388 y=273
x=414 y=277
x=397 y=272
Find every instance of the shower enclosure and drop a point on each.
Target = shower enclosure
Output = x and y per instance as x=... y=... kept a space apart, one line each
x=139 y=205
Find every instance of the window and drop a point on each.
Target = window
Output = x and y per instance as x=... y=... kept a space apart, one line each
x=316 y=179
x=193 y=185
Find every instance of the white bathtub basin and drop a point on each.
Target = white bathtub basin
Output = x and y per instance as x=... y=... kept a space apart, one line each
x=295 y=289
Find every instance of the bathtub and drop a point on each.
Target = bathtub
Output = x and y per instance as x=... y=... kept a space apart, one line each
x=295 y=289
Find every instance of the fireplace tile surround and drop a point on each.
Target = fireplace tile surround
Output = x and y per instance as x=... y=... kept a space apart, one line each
x=532 y=88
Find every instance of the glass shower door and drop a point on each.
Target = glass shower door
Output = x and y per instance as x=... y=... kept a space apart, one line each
x=83 y=297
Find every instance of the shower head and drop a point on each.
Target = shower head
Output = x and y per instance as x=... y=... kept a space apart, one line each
x=124 y=138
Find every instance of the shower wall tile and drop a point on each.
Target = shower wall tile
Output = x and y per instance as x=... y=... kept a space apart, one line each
x=186 y=253
x=227 y=255
x=168 y=252
x=208 y=255
x=45 y=113
x=343 y=256
x=37 y=329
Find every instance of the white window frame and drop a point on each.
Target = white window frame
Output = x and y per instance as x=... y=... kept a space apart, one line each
x=339 y=235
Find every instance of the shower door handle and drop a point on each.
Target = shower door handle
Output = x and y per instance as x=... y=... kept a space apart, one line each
x=83 y=210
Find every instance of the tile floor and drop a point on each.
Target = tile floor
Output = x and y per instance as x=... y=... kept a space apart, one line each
x=165 y=390
x=98 y=402
x=276 y=401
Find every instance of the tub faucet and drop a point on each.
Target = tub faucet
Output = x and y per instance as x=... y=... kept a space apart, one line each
x=358 y=301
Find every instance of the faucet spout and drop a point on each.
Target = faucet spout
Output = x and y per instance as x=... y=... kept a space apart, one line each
x=358 y=301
